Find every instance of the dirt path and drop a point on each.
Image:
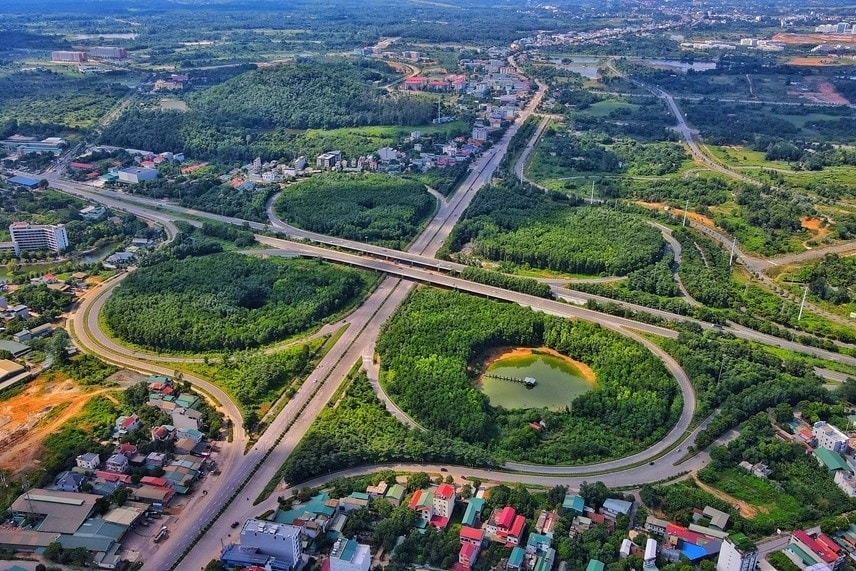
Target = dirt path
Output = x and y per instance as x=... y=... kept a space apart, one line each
x=22 y=424
x=746 y=510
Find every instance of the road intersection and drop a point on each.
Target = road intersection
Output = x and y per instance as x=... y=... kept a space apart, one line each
x=244 y=476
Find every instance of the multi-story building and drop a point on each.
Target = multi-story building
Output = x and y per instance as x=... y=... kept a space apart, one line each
x=444 y=501
x=329 y=159
x=829 y=437
x=272 y=539
x=68 y=57
x=505 y=526
x=27 y=236
x=107 y=52
x=348 y=555
x=737 y=553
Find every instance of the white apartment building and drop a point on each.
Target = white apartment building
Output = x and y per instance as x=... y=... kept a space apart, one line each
x=732 y=558
x=279 y=540
x=829 y=437
x=27 y=236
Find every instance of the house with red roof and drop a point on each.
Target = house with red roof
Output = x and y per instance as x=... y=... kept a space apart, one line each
x=472 y=535
x=415 y=82
x=422 y=502
x=814 y=550
x=126 y=424
x=468 y=555
x=505 y=526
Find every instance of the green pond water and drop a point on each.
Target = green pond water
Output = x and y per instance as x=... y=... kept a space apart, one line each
x=558 y=382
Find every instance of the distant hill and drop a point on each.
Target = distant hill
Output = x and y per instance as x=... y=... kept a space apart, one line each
x=246 y=116
x=311 y=95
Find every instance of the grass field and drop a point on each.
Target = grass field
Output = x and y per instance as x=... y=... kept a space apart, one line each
x=604 y=108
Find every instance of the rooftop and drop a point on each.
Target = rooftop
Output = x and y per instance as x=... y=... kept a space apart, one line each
x=64 y=511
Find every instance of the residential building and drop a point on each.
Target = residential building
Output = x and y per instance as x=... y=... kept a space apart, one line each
x=117 y=463
x=329 y=159
x=737 y=553
x=613 y=508
x=830 y=460
x=718 y=519
x=472 y=515
x=814 y=550
x=574 y=504
x=595 y=565
x=26 y=236
x=387 y=154
x=68 y=57
x=479 y=133
x=505 y=526
x=829 y=437
x=92 y=212
x=135 y=175
x=846 y=481
x=355 y=501
x=125 y=424
x=472 y=535
x=108 y=52
x=271 y=539
x=655 y=525
x=467 y=555
x=70 y=482
x=395 y=494
x=650 y=557
x=443 y=504
x=422 y=503
x=88 y=461
x=348 y=555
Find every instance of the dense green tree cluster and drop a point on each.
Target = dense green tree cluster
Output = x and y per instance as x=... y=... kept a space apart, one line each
x=427 y=349
x=87 y=369
x=656 y=279
x=211 y=194
x=372 y=208
x=514 y=283
x=738 y=379
x=832 y=279
x=520 y=224
x=41 y=298
x=328 y=94
x=358 y=430
x=227 y=301
x=704 y=268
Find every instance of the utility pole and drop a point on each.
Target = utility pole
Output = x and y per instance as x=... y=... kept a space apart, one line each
x=731 y=258
x=802 y=304
x=684 y=223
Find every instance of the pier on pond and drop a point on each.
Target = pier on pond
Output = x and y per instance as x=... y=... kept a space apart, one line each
x=527 y=381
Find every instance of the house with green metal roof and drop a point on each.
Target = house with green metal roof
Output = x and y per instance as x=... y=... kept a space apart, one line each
x=515 y=560
x=595 y=565
x=831 y=460
x=574 y=503
x=473 y=513
x=395 y=494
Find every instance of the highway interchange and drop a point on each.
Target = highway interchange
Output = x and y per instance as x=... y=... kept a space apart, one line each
x=244 y=476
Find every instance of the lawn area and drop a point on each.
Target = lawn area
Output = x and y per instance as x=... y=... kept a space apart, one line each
x=605 y=107
x=742 y=157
